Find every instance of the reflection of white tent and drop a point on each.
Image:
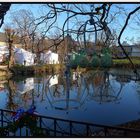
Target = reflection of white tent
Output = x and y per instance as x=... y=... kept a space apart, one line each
x=75 y=75
x=25 y=86
x=53 y=80
x=49 y=58
x=22 y=56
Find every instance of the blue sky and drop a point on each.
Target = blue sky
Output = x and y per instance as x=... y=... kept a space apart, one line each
x=128 y=34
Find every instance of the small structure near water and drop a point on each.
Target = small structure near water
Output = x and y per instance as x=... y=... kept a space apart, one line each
x=24 y=57
x=3 y=52
x=49 y=58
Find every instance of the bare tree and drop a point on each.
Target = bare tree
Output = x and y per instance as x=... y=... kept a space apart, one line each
x=121 y=32
x=10 y=33
x=23 y=21
x=94 y=18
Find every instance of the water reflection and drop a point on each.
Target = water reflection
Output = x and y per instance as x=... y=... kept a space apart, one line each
x=89 y=92
x=100 y=86
x=104 y=89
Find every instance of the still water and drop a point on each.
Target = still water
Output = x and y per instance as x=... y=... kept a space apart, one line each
x=109 y=97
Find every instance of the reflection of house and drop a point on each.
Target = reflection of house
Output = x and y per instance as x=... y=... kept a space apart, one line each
x=25 y=86
x=122 y=75
x=123 y=79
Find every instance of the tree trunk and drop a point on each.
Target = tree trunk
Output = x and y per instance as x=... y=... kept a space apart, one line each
x=11 y=56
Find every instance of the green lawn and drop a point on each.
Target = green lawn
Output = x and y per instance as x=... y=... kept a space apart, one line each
x=136 y=61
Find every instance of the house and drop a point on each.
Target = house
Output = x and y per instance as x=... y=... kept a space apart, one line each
x=3 y=53
x=24 y=57
x=49 y=58
x=136 y=51
x=117 y=52
x=131 y=50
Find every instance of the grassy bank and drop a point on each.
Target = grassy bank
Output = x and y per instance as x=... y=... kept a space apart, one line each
x=56 y=68
x=126 y=62
x=36 y=69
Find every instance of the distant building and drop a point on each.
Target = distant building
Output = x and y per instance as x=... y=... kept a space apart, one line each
x=117 y=52
x=136 y=51
x=24 y=57
x=131 y=50
x=49 y=58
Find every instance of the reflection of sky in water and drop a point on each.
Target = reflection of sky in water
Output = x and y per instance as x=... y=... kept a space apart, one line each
x=3 y=98
x=93 y=97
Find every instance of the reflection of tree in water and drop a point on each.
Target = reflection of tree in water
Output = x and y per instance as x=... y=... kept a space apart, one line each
x=91 y=85
x=11 y=103
x=40 y=89
x=17 y=98
x=102 y=89
x=60 y=99
x=28 y=98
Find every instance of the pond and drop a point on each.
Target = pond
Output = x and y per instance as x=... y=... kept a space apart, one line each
x=109 y=97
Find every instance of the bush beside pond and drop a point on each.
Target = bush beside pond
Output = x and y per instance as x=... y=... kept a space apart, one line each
x=36 y=69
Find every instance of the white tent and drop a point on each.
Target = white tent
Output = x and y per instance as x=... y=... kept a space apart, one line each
x=49 y=58
x=3 y=51
x=20 y=55
x=24 y=57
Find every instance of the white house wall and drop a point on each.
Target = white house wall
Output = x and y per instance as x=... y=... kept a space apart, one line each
x=49 y=58
x=3 y=51
x=54 y=58
x=22 y=55
x=136 y=51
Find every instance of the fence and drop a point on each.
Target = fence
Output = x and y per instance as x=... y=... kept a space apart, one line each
x=57 y=127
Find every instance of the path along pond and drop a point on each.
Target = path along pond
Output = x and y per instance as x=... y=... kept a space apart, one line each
x=109 y=97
